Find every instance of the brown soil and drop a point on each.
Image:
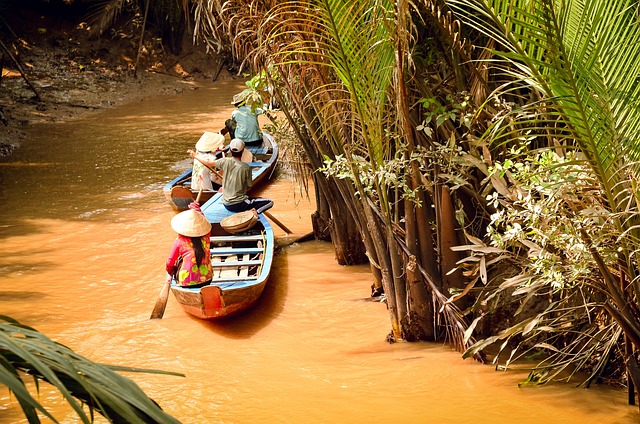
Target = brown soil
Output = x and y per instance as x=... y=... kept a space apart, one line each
x=57 y=72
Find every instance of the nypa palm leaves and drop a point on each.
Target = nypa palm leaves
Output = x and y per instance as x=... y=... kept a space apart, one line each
x=580 y=60
x=582 y=56
x=354 y=39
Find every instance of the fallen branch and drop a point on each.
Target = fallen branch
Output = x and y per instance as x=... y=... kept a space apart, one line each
x=220 y=65
x=24 y=76
x=179 y=59
x=77 y=105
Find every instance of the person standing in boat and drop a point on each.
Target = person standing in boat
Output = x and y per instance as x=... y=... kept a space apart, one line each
x=210 y=146
x=236 y=180
x=244 y=120
x=190 y=258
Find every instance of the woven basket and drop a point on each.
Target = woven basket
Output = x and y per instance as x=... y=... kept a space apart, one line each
x=239 y=222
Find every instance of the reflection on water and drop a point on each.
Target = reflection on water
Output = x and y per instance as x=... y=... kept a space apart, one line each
x=85 y=232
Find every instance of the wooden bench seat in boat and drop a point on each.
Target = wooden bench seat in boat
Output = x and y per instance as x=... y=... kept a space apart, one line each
x=255 y=237
x=258 y=150
x=235 y=263
x=235 y=250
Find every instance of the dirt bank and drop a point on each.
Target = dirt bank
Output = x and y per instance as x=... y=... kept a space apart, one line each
x=54 y=70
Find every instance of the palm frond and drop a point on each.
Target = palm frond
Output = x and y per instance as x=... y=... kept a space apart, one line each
x=345 y=36
x=583 y=58
x=103 y=13
x=24 y=350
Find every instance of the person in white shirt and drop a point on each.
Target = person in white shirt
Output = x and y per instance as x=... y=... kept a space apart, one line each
x=210 y=147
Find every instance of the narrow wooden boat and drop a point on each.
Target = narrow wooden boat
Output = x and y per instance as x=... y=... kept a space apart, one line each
x=242 y=264
x=241 y=261
x=265 y=156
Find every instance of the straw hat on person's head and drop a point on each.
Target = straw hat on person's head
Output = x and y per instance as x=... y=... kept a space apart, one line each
x=209 y=142
x=236 y=145
x=240 y=97
x=237 y=99
x=190 y=223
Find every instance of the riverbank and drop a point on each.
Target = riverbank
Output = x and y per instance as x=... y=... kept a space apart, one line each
x=58 y=72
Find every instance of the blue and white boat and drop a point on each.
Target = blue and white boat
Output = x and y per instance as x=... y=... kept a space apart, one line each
x=241 y=261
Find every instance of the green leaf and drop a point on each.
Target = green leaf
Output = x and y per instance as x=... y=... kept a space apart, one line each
x=25 y=350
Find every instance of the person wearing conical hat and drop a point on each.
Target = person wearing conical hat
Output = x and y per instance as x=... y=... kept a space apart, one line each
x=236 y=180
x=190 y=258
x=244 y=120
x=210 y=146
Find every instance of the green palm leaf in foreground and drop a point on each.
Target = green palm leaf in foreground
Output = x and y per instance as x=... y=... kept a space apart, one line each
x=24 y=350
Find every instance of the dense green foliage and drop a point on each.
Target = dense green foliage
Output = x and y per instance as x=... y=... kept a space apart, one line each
x=569 y=147
x=519 y=155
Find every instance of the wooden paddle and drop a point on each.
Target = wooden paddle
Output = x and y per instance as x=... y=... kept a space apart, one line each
x=161 y=303
x=199 y=196
x=208 y=167
x=182 y=197
x=278 y=223
x=271 y=217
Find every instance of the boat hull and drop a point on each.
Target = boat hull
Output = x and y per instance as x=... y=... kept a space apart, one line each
x=211 y=302
x=242 y=264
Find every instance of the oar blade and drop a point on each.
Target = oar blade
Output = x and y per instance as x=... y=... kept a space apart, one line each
x=181 y=197
x=161 y=303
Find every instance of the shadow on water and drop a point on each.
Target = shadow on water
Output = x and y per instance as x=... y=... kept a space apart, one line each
x=267 y=308
x=12 y=296
x=15 y=230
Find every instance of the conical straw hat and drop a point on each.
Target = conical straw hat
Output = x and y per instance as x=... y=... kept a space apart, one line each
x=209 y=142
x=190 y=223
x=240 y=97
x=239 y=222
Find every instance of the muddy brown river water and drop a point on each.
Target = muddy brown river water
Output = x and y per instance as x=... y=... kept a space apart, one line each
x=84 y=231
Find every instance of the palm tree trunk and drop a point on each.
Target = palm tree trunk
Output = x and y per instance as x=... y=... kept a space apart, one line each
x=421 y=323
x=448 y=239
x=321 y=218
